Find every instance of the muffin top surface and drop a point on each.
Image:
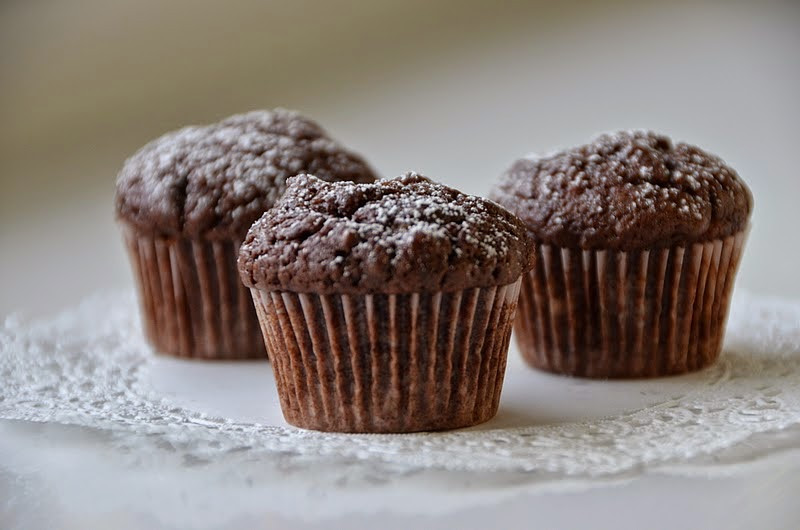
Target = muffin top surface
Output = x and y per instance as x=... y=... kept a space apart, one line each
x=626 y=191
x=215 y=180
x=401 y=235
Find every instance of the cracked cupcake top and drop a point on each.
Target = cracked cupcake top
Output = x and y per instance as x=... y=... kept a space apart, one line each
x=215 y=180
x=626 y=191
x=401 y=235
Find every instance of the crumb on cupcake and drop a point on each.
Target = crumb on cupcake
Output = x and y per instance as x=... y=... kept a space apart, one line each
x=627 y=190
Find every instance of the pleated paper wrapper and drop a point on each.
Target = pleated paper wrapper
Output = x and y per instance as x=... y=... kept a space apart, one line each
x=388 y=362
x=627 y=314
x=193 y=303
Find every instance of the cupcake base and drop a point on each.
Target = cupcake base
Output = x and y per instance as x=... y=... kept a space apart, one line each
x=613 y=314
x=192 y=301
x=388 y=363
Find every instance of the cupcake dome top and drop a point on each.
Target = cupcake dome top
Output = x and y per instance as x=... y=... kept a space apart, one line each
x=215 y=180
x=626 y=191
x=401 y=235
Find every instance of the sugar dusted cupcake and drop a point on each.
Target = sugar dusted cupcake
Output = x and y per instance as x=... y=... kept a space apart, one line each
x=185 y=202
x=386 y=307
x=638 y=242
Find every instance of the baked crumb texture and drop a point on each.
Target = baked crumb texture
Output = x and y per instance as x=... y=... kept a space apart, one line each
x=401 y=235
x=626 y=191
x=213 y=181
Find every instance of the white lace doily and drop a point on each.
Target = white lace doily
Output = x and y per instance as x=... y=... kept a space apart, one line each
x=89 y=370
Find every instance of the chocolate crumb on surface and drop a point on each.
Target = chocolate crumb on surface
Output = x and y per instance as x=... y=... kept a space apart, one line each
x=401 y=235
x=213 y=181
x=626 y=191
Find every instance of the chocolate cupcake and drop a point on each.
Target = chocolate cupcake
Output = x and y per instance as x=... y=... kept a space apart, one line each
x=638 y=241
x=185 y=202
x=386 y=307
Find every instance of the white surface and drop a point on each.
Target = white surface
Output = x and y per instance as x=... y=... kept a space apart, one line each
x=246 y=392
x=724 y=75
x=213 y=437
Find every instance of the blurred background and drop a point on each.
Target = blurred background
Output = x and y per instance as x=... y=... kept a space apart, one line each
x=455 y=89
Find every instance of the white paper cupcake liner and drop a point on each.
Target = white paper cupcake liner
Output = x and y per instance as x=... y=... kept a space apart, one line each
x=192 y=301
x=388 y=362
x=627 y=314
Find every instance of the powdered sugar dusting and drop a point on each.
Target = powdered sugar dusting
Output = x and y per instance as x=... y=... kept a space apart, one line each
x=221 y=177
x=394 y=228
x=623 y=183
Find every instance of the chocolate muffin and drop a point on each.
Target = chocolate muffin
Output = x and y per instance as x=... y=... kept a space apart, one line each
x=185 y=202
x=386 y=307
x=638 y=241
